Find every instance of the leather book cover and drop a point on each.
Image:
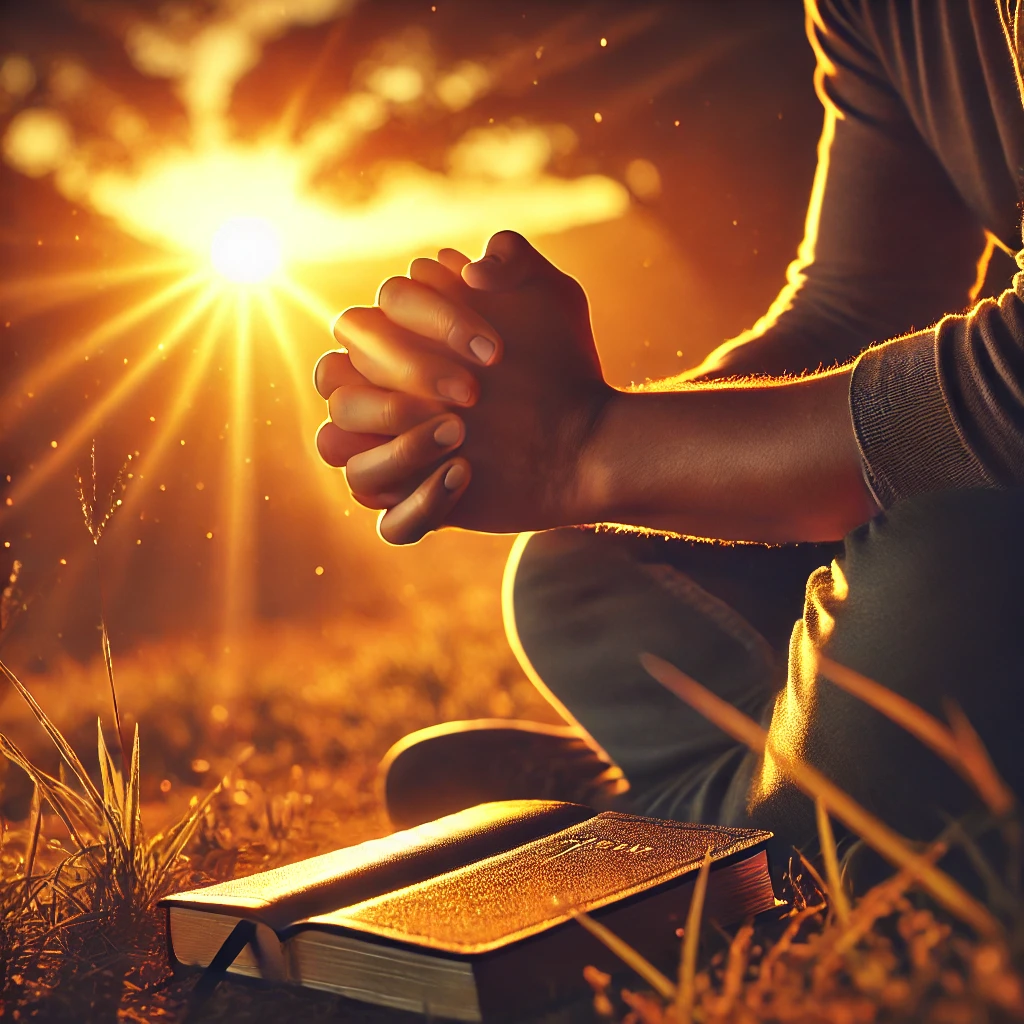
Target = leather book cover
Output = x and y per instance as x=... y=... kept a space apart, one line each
x=489 y=904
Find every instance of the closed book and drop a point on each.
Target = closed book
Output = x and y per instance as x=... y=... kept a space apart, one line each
x=470 y=917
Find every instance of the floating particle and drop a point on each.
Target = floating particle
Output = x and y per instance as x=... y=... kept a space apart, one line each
x=597 y=117
x=218 y=712
x=209 y=535
x=200 y=766
x=604 y=42
x=319 y=570
x=63 y=561
x=165 y=785
x=53 y=444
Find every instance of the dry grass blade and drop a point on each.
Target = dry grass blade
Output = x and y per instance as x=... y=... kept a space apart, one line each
x=874 y=832
x=837 y=894
x=782 y=945
x=977 y=765
x=48 y=792
x=958 y=745
x=34 y=831
x=735 y=969
x=691 y=943
x=628 y=955
x=108 y=662
x=921 y=725
x=64 y=749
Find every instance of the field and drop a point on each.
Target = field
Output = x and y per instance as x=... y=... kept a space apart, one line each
x=292 y=733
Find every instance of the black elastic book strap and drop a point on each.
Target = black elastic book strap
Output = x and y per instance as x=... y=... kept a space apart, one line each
x=242 y=935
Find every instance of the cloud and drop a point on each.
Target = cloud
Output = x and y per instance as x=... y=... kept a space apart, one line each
x=497 y=176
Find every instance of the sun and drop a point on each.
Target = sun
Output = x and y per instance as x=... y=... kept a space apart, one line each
x=246 y=250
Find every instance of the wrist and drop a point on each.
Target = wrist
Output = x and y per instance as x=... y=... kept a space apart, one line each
x=588 y=496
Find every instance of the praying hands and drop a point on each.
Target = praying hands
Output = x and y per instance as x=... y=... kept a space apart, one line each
x=472 y=396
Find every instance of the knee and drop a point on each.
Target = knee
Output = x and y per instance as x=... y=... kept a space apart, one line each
x=540 y=567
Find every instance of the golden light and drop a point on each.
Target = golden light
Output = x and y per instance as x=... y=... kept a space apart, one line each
x=246 y=249
x=241 y=230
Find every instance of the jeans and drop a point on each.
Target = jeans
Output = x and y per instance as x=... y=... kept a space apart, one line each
x=926 y=599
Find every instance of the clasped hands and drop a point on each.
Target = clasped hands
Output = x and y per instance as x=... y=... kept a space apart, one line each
x=467 y=396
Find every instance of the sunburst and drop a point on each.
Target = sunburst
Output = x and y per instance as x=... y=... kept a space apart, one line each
x=241 y=226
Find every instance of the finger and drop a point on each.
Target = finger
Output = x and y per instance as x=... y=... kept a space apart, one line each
x=337 y=446
x=423 y=311
x=437 y=276
x=390 y=357
x=428 y=506
x=370 y=410
x=453 y=260
x=410 y=455
x=508 y=262
x=335 y=370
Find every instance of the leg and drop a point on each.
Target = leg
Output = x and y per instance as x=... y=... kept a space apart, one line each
x=926 y=600
x=581 y=606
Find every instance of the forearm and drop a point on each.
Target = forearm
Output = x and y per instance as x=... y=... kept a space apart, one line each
x=762 y=462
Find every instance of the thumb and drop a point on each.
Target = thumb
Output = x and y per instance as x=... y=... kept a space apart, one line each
x=508 y=262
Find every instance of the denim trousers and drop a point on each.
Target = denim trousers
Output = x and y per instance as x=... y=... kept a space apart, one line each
x=926 y=599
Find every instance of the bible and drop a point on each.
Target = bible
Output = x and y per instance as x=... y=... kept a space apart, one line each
x=470 y=917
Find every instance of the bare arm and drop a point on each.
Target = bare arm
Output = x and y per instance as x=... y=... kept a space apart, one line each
x=549 y=443
x=761 y=461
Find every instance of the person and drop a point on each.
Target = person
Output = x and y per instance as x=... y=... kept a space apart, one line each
x=854 y=464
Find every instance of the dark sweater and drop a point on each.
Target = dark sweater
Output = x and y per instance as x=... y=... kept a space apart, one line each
x=921 y=158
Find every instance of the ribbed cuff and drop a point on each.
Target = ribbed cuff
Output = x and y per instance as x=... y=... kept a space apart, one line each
x=908 y=438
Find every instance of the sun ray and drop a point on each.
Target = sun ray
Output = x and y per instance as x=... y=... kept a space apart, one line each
x=296 y=104
x=151 y=459
x=59 y=288
x=35 y=381
x=239 y=575
x=72 y=441
x=300 y=376
x=308 y=301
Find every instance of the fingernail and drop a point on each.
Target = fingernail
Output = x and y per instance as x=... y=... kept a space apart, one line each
x=454 y=477
x=448 y=433
x=482 y=348
x=453 y=388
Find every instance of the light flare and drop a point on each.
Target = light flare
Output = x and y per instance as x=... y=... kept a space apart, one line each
x=246 y=250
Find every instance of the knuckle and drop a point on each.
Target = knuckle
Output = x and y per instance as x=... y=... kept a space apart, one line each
x=446 y=323
x=390 y=414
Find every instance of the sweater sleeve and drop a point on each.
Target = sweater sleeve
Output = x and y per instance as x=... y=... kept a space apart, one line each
x=881 y=207
x=944 y=408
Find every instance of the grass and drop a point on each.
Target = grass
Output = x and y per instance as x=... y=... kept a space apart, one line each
x=244 y=759
x=297 y=778
x=888 y=955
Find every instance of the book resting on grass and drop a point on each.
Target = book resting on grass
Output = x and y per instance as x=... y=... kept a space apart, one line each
x=470 y=917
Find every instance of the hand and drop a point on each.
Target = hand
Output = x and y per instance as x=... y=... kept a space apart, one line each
x=525 y=416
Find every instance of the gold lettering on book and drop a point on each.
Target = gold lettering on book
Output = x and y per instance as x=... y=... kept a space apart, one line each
x=572 y=845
